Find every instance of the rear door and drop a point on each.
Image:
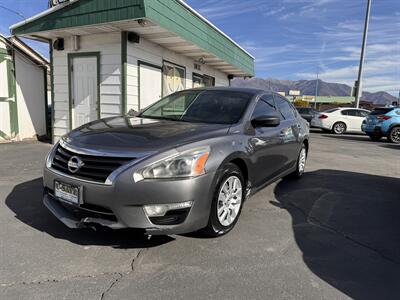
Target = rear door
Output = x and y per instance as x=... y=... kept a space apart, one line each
x=289 y=132
x=354 y=118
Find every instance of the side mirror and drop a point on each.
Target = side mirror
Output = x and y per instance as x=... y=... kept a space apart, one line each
x=266 y=121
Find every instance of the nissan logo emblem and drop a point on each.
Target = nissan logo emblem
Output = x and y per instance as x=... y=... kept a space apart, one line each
x=74 y=164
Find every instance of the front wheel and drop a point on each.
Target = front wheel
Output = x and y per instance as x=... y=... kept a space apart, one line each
x=394 y=135
x=227 y=202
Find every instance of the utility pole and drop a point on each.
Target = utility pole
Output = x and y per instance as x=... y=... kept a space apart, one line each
x=316 y=91
x=364 y=44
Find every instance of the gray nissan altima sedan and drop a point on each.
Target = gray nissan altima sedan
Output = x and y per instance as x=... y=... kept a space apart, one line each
x=186 y=163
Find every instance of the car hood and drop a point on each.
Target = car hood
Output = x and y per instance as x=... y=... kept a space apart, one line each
x=139 y=136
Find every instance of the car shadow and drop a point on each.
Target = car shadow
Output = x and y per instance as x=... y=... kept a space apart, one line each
x=352 y=137
x=391 y=146
x=347 y=226
x=25 y=200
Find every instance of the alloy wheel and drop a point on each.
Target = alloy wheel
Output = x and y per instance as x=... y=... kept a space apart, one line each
x=302 y=160
x=395 y=135
x=229 y=200
x=339 y=128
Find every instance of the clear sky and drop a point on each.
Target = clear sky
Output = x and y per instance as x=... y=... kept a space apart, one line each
x=292 y=39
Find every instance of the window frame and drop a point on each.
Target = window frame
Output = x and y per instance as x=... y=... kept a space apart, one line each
x=293 y=109
x=172 y=64
x=260 y=98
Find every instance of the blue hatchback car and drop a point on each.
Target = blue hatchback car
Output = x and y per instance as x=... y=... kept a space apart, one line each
x=382 y=122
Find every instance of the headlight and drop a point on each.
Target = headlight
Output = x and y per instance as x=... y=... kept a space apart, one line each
x=186 y=164
x=50 y=155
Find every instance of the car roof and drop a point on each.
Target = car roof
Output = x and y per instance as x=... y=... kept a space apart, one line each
x=343 y=108
x=253 y=91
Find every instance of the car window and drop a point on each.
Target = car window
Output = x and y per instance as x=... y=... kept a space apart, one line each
x=351 y=112
x=264 y=107
x=303 y=110
x=287 y=111
x=363 y=113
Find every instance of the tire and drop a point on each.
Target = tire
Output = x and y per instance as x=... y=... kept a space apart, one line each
x=375 y=138
x=339 y=128
x=394 y=135
x=301 y=163
x=217 y=224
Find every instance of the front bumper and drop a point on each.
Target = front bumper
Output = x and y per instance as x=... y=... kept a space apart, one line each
x=120 y=205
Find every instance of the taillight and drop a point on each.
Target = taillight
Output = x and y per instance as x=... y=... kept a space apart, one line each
x=323 y=117
x=383 y=117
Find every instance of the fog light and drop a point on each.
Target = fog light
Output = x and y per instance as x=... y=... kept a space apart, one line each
x=159 y=210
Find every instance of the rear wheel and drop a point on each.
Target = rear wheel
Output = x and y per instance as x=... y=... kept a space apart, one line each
x=339 y=128
x=301 y=163
x=394 y=135
x=227 y=202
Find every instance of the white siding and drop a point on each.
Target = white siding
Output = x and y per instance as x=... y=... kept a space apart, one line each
x=30 y=98
x=4 y=119
x=4 y=106
x=152 y=53
x=109 y=46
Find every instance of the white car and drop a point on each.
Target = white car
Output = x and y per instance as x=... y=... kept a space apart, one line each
x=340 y=120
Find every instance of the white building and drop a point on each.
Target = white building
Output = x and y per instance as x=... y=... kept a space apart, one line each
x=23 y=91
x=108 y=57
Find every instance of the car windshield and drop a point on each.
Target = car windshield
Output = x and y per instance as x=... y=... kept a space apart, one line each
x=205 y=106
x=381 y=111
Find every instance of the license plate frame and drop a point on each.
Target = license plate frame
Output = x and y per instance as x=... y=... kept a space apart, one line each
x=68 y=193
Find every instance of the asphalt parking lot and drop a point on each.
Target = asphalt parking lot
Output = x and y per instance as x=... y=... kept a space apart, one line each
x=335 y=234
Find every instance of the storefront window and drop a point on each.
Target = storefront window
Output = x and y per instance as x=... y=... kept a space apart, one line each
x=208 y=80
x=202 y=80
x=174 y=79
x=197 y=80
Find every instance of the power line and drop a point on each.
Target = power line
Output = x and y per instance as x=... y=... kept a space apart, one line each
x=13 y=11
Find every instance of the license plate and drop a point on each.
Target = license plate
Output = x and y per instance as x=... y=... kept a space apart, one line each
x=67 y=192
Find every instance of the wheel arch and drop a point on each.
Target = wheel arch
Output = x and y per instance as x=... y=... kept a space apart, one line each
x=241 y=161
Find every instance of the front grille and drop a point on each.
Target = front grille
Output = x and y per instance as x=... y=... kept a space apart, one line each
x=95 y=168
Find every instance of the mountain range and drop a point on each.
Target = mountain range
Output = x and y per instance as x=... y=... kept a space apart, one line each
x=307 y=87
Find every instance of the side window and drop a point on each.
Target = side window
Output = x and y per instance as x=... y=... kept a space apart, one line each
x=264 y=106
x=350 y=112
x=285 y=108
x=363 y=113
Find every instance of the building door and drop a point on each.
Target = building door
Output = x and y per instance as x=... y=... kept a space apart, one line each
x=84 y=90
x=150 y=84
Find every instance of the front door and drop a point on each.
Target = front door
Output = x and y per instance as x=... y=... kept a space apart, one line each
x=264 y=143
x=84 y=90
x=149 y=84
